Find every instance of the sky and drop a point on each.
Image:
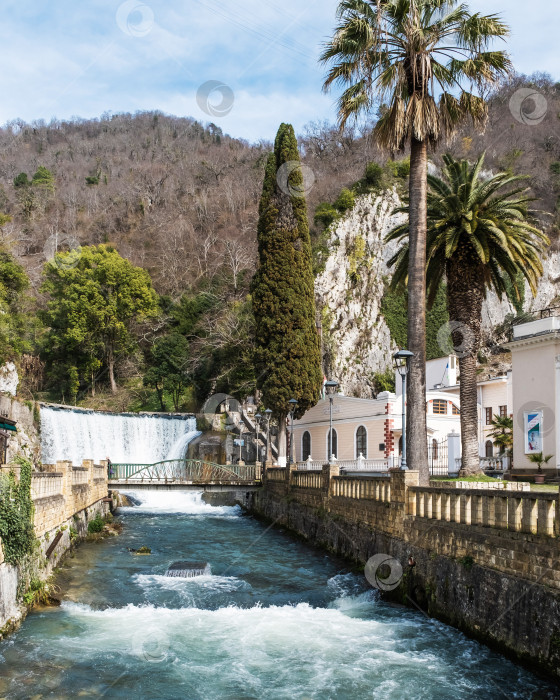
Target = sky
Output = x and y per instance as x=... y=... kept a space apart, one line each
x=246 y=65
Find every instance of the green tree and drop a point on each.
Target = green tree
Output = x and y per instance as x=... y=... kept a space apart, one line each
x=287 y=355
x=17 y=323
x=95 y=298
x=168 y=371
x=44 y=179
x=478 y=239
x=502 y=433
x=415 y=55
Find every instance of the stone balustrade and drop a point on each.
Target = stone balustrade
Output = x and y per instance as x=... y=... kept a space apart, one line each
x=276 y=473
x=80 y=476
x=46 y=484
x=528 y=512
x=307 y=480
x=377 y=489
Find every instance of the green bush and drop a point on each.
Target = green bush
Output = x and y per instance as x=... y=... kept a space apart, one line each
x=345 y=200
x=325 y=214
x=555 y=168
x=374 y=175
x=16 y=513
x=96 y=525
x=399 y=168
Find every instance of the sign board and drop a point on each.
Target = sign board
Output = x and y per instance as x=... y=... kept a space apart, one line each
x=533 y=431
x=239 y=442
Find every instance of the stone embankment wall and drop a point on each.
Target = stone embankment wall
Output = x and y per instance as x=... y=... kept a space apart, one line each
x=483 y=560
x=65 y=499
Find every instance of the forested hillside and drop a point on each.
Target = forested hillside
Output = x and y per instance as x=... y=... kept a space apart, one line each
x=179 y=199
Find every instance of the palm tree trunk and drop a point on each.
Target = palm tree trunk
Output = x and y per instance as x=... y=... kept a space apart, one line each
x=465 y=293
x=417 y=445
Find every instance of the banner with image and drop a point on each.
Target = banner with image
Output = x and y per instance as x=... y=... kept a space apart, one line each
x=533 y=431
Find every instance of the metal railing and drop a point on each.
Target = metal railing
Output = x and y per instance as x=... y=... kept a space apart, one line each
x=184 y=470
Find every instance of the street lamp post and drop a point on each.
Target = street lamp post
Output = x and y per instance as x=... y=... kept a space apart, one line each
x=240 y=442
x=293 y=404
x=257 y=425
x=401 y=360
x=330 y=387
x=267 y=414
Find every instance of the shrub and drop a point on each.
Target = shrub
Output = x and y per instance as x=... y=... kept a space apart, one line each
x=96 y=525
x=325 y=214
x=374 y=175
x=345 y=200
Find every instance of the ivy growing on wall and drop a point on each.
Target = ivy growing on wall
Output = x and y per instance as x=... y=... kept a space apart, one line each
x=16 y=513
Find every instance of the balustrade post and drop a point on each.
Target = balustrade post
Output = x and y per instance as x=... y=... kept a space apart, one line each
x=529 y=515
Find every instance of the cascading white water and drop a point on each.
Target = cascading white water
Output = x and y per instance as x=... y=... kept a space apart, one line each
x=139 y=439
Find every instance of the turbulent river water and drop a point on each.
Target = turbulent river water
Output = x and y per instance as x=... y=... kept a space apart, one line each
x=274 y=619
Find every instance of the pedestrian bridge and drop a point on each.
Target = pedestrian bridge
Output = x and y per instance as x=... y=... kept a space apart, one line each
x=184 y=472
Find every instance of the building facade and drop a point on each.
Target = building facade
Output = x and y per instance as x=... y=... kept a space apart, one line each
x=372 y=428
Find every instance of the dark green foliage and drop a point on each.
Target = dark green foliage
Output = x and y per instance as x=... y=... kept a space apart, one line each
x=92 y=180
x=16 y=513
x=374 y=175
x=287 y=356
x=43 y=178
x=394 y=309
x=168 y=371
x=96 y=299
x=384 y=381
x=399 y=168
x=325 y=214
x=345 y=200
x=555 y=168
x=16 y=323
x=96 y=525
x=21 y=180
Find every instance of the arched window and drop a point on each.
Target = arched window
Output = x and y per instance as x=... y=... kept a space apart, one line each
x=489 y=448
x=454 y=410
x=434 y=449
x=306 y=446
x=361 y=442
x=334 y=443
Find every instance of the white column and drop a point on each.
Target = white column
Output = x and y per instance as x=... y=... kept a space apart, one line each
x=453 y=451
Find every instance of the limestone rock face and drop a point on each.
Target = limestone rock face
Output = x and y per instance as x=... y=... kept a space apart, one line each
x=349 y=292
x=356 y=339
x=9 y=379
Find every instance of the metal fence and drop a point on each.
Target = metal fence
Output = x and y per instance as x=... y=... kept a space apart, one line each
x=438 y=457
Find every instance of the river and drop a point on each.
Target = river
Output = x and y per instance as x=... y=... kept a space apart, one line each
x=274 y=619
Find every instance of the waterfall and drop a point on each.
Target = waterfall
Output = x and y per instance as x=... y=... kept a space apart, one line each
x=76 y=434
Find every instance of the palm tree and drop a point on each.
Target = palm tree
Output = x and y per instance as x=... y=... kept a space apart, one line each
x=502 y=433
x=416 y=57
x=478 y=239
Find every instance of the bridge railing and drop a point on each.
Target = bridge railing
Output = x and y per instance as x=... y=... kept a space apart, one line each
x=183 y=470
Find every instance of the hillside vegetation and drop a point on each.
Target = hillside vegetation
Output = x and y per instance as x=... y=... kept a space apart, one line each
x=179 y=199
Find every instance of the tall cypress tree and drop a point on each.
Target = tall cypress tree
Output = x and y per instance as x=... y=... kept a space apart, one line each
x=287 y=356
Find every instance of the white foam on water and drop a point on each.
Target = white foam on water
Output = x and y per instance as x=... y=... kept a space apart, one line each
x=161 y=501
x=277 y=651
x=225 y=584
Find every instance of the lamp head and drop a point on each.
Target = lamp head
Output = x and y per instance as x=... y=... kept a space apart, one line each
x=331 y=386
x=401 y=359
x=293 y=404
x=268 y=413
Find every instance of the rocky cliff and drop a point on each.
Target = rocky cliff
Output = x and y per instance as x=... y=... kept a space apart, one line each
x=357 y=342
